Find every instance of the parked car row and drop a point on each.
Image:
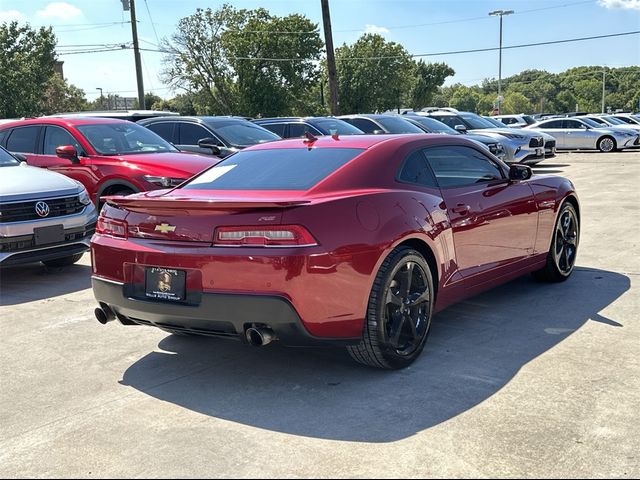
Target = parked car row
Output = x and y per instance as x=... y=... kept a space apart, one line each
x=336 y=237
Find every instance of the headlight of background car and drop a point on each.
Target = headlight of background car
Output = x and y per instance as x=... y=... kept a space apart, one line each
x=164 y=182
x=84 y=197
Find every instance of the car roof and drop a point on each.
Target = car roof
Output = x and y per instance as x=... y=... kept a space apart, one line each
x=209 y=119
x=293 y=119
x=372 y=116
x=70 y=121
x=345 y=141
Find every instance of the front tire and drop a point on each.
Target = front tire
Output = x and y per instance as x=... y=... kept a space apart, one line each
x=561 y=258
x=399 y=312
x=63 y=262
x=607 y=144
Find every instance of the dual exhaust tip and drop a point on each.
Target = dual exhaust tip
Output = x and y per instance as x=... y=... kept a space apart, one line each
x=256 y=336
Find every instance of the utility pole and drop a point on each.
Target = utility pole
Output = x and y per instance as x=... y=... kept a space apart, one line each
x=331 y=59
x=500 y=13
x=101 y=98
x=604 y=73
x=131 y=5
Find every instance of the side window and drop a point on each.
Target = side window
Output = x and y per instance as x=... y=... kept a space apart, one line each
x=277 y=128
x=2 y=137
x=57 y=137
x=298 y=130
x=416 y=170
x=458 y=166
x=23 y=139
x=163 y=129
x=367 y=126
x=553 y=124
x=190 y=134
x=572 y=124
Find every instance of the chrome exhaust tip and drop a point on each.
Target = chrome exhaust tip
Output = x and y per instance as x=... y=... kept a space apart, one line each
x=260 y=337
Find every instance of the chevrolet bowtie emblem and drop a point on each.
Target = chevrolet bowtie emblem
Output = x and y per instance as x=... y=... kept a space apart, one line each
x=165 y=228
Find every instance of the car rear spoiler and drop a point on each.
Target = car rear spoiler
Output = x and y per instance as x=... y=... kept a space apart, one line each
x=181 y=203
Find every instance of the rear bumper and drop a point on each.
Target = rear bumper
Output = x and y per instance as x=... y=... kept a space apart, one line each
x=211 y=314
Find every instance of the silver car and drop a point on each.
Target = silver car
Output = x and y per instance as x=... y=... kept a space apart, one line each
x=582 y=133
x=520 y=145
x=608 y=121
x=44 y=216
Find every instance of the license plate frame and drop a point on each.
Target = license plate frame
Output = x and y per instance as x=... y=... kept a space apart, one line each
x=48 y=235
x=165 y=284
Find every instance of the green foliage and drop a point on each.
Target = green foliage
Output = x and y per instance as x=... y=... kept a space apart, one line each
x=60 y=96
x=428 y=77
x=220 y=54
x=26 y=66
x=465 y=99
x=516 y=102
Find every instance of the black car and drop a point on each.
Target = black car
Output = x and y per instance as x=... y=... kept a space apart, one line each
x=381 y=124
x=431 y=125
x=219 y=136
x=297 y=127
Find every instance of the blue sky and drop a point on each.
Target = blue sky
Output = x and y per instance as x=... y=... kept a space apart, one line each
x=422 y=26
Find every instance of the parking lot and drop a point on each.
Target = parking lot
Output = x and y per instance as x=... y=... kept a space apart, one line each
x=529 y=380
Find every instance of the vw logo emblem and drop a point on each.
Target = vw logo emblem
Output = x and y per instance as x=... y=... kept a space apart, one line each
x=42 y=209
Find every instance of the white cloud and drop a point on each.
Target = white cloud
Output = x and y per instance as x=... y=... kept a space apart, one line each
x=375 y=29
x=59 y=10
x=627 y=4
x=10 y=16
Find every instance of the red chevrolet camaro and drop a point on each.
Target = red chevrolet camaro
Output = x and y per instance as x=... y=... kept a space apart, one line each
x=354 y=241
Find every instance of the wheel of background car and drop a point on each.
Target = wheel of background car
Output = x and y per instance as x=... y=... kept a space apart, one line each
x=63 y=262
x=123 y=191
x=399 y=312
x=561 y=258
x=607 y=144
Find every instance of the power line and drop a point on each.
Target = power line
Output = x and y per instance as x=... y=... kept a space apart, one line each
x=153 y=25
x=454 y=52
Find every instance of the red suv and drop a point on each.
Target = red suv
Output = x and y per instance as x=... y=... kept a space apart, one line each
x=108 y=156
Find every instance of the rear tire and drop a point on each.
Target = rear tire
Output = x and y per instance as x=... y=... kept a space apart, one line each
x=399 y=312
x=607 y=144
x=561 y=258
x=63 y=262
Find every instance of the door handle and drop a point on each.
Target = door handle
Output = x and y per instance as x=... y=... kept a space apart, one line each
x=461 y=208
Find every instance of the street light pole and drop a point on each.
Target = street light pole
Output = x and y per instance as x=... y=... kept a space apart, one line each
x=500 y=13
x=101 y=100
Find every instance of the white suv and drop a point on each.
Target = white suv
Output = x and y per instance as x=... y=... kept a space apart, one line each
x=515 y=121
x=44 y=216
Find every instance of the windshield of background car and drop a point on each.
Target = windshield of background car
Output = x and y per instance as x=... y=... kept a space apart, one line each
x=495 y=122
x=434 y=125
x=123 y=139
x=478 y=122
x=529 y=120
x=398 y=125
x=6 y=160
x=614 y=121
x=243 y=134
x=273 y=169
x=337 y=126
x=591 y=123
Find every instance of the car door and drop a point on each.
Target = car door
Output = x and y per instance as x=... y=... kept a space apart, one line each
x=53 y=136
x=577 y=134
x=189 y=134
x=24 y=140
x=494 y=221
x=555 y=129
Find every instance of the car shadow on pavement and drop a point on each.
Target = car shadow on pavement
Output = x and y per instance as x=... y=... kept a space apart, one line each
x=475 y=349
x=28 y=283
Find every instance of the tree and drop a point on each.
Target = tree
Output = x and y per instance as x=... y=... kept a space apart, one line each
x=60 y=96
x=375 y=75
x=27 y=58
x=428 y=77
x=516 y=102
x=149 y=100
x=225 y=56
x=465 y=99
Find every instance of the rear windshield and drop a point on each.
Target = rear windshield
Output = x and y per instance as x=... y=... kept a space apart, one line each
x=333 y=126
x=273 y=169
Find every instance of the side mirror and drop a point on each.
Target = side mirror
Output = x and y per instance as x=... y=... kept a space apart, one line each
x=377 y=131
x=520 y=172
x=460 y=128
x=210 y=143
x=69 y=152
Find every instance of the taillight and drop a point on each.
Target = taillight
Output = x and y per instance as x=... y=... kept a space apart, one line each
x=112 y=228
x=264 y=236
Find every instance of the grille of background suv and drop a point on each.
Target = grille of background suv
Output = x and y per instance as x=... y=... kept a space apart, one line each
x=25 y=211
